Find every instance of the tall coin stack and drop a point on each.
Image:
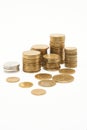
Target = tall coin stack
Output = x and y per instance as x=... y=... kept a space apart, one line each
x=57 y=44
x=51 y=62
x=42 y=48
x=31 y=61
x=71 y=57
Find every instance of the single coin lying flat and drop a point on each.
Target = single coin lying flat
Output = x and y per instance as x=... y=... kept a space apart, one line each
x=38 y=92
x=42 y=76
x=63 y=78
x=47 y=83
x=25 y=84
x=67 y=71
x=12 y=79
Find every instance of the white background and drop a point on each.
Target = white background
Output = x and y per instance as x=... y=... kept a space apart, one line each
x=27 y=22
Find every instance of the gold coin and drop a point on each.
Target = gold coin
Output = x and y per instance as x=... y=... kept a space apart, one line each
x=60 y=37
x=42 y=76
x=12 y=79
x=51 y=69
x=71 y=50
x=40 y=47
x=71 y=65
x=51 y=65
x=51 y=57
x=67 y=71
x=63 y=78
x=47 y=83
x=32 y=54
x=25 y=84
x=38 y=92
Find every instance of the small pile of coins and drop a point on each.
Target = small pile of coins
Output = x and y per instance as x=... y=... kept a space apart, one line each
x=51 y=62
x=71 y=57
x=57 y=44
x=11 y=67
x=37 y=56
x=31 y=61
x=42 y=48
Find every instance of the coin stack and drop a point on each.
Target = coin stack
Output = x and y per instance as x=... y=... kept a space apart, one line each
x=57 y=44
x=42 y=48
x=31 y=61
x=71 y=57
x=51 y=62
x=11 y=66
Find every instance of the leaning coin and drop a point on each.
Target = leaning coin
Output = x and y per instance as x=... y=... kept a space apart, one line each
x=42 y=76
x=47 y=83
x=63 y=78
x=67 y=71
x=38 y=92
x=12 y=79
x=25 y=84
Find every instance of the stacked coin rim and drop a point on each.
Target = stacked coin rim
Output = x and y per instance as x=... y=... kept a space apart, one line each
x=57 y=44
x=51 y=62
x=43 y=50
x=71 y=57
x=31 y=61
x=11 y=66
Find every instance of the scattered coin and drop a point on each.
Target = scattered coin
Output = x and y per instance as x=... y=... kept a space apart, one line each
x=12 y=79
x=25 y=84
x=38 y=92
x=47 y=83
x=67 y=71
x=42 y=76
x=63 y=78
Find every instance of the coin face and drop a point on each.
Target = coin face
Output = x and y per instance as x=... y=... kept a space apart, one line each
x=40 y=46
x=31 y=53
x=42 y=76
x=47 y=83
x=25 y=84
x=63 y=78
x=71 y=49
x=67 y=71
x=12 y=79
x=57 y=35
x=38 y=92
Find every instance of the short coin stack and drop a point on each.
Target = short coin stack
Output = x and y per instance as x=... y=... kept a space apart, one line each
x=42 y=48
x=71 y=57
x=57 y=44
x=51 y=62
x=11 y=66
x=31 y=61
